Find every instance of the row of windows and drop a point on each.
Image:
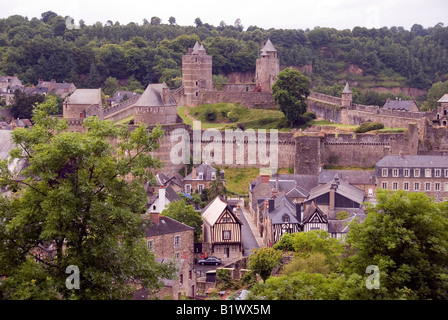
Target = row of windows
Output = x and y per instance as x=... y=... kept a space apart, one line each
x=428 y=173
x=188 y=188
x=416 y=186
x=177 y=243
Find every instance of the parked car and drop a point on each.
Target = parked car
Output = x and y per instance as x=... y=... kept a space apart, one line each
x=210 y=261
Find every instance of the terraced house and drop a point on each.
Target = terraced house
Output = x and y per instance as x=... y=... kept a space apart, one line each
x=414 y=173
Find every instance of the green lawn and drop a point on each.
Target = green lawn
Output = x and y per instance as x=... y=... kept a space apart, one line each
x=227 y=115
x=353 y=127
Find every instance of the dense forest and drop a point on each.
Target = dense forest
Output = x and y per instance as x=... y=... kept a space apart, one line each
x=151 y=51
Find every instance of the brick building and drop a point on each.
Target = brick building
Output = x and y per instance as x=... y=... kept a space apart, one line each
x=414 y=173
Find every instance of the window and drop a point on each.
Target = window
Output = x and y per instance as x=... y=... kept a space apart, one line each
x=446 y=173
x=370 y=192
x=188 y=188
x=445 y=187
x=384 y=185
x=200 y=176
x=181 y=280
x=394 y=185
x=200 y=188
x=437 y=186
x=150 y=243
x=233 y=249
x=406 y=172
x=416 y=186
x=406 y=186
x=384 y=172
x=189 y=274
x=416 y=172
x=395 y=172
x=218 y=249
x=176 y=241
x=226 y=235
x=437 y=173
x=427 y=186
x=213 y=175
x=428 y=173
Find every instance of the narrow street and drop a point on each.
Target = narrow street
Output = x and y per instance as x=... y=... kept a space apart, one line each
x=249 y=233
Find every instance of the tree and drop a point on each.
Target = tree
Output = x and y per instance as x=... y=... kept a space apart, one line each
x=434 y=94
x=198 y=22
x=406 y=237
x=23 y=104
x=172 y=21
x=180 y=211
x=111 y=86
x=263 y=260
x=291 y=91
x=156 y=21
x=85 y=197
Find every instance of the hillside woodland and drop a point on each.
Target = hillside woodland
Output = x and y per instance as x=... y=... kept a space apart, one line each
x=137 y=54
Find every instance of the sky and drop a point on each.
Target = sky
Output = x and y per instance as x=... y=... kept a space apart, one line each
x=278 y=14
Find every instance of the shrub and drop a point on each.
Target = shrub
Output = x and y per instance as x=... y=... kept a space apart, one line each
x=369 y=126
x=210 y=114
x=309 y=114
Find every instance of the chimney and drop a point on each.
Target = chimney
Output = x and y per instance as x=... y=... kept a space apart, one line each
x=333 y=188
x=162 y=199
x=299 y=211
x=264 y=178
x=271 y=205
x=193 y=173
x=276 y=182
x=266 y=205
x=166 y=95
x=155 y=217
x=401 y=154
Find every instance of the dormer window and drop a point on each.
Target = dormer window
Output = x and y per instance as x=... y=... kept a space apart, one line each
x=285 y=218
x=200 y=176
x=213 y=176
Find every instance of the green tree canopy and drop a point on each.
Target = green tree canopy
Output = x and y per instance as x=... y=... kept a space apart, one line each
x=263 y=260
x=406 y=236
x=291 y=91
x=180 y=211
x=84 y=197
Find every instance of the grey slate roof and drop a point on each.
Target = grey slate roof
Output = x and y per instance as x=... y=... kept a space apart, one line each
x=153 y=97
x=85 y=96
x=346 y=88
x=413 y=161
x=166 y=225
x=350 y=176
x=206 y=171
x=405 y=105
x=309 y=212
x=268 y=47
x=343 y=189
x=444 y=98
x=170 y=194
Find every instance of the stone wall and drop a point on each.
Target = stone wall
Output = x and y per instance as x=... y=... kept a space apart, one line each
x=250 y=100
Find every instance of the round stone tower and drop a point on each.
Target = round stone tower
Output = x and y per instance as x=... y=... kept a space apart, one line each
x=267 y=67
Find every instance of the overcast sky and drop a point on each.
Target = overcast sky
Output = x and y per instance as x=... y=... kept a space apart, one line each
x=285 y=14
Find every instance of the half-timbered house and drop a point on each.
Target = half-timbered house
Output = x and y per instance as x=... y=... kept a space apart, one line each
x=313 y=218
x=221 y=230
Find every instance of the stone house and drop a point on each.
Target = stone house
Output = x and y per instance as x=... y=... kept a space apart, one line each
x=201 y=177
x=170 y=241
x=442 y=111
x=83 y=103
x=401 y=105
x=221 y=230
x=62 y=89
x=414 y=173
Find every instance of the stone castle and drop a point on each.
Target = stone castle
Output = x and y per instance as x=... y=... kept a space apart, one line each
x=306 y=152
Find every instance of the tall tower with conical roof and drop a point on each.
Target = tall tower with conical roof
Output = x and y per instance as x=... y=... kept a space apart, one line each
x=196 y=74
x=267 y=67
x=347 y=96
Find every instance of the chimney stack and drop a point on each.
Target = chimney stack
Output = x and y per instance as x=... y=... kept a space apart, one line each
x=193 y=173
x=155 y=217
x=401 y=154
